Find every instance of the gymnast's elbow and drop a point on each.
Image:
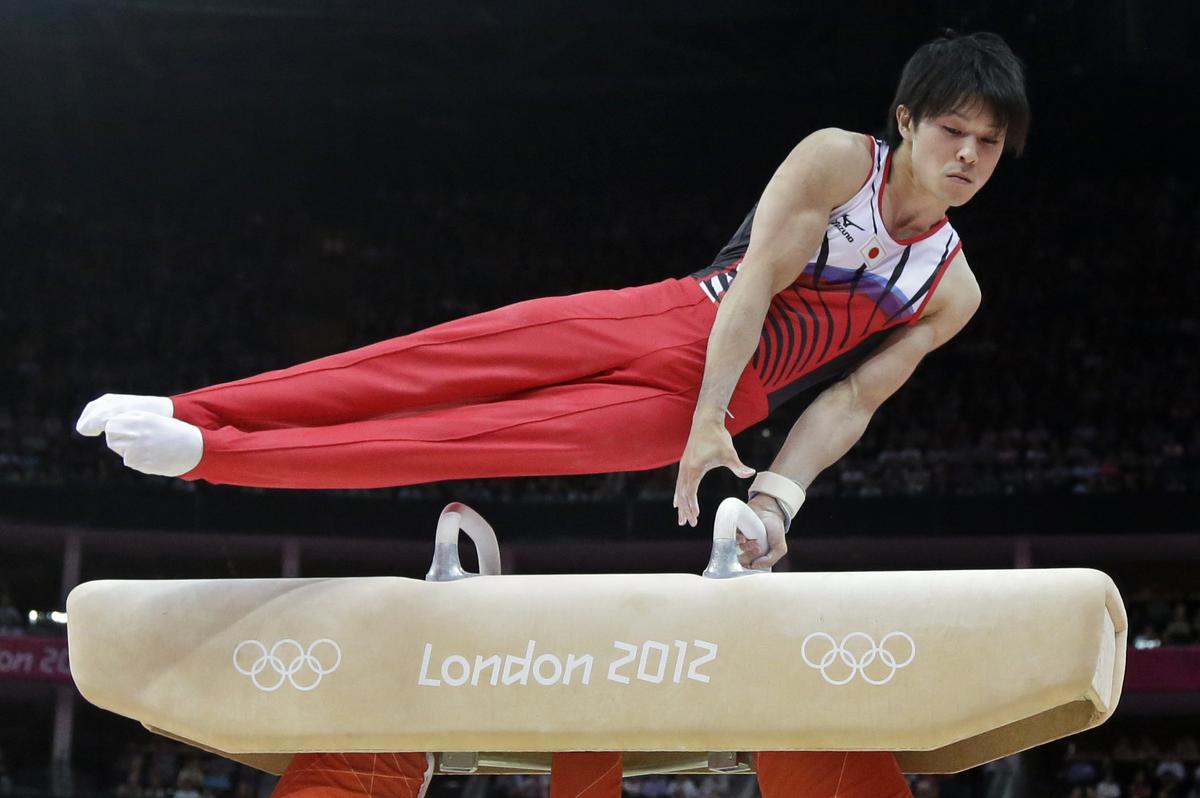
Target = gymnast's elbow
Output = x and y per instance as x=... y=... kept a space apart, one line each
x=878 y=377
x=858 y=399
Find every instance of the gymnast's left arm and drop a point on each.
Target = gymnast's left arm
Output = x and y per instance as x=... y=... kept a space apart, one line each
x=838 y=417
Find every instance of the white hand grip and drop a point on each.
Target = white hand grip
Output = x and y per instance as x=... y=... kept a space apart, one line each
x=735 y=515
x=458 y=516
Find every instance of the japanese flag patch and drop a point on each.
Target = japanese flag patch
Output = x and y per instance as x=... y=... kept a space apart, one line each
x=872 y=251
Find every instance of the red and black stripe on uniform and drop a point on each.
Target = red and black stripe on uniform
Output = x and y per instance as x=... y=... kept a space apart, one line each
x=825 y=323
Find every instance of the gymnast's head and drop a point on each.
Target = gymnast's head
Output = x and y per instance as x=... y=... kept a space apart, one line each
x=960 y=104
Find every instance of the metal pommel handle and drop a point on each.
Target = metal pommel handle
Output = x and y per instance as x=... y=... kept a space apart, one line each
x=733 y=515
x=446 y=567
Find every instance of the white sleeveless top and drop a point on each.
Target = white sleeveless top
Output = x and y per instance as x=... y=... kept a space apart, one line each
x=860 y=282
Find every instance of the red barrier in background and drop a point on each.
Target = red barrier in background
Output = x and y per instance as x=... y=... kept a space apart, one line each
x=42 y=659
x=1169 y=668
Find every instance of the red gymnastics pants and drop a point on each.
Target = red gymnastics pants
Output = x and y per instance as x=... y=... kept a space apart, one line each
x=781 y=774
x=591 y=383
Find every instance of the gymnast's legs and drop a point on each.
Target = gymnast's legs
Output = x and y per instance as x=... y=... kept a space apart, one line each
x=625 y=420
x=499 y=353
x=781 y=774
x=356 y=775
x=518 y=377
x=830 y=774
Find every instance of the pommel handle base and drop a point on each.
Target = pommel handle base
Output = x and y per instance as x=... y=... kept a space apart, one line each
x=733 y=516
x=446 y=567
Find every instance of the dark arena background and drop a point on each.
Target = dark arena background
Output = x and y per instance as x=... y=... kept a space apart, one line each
x=193 y=191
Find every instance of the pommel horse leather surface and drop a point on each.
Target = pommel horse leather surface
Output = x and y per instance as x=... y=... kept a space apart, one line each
x=949 y=669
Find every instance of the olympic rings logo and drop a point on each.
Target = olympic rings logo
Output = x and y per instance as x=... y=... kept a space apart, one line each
x=303 y=659
x=857 y=663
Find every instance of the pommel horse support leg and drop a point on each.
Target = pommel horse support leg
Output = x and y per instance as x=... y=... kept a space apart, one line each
x=946 y=669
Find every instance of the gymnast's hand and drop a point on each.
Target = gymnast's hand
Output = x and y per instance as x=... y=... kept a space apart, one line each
x=709 y=445
x=143 y=431
x=149 y=443
x=750 y=552
x=96 y=415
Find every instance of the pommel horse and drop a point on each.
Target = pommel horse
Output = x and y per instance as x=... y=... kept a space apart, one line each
x=946 y=669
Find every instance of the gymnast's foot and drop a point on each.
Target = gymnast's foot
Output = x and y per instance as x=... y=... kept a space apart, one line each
x=98 y=411
x=153 y=444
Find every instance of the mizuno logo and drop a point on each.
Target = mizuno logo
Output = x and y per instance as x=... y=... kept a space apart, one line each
x=842 y=224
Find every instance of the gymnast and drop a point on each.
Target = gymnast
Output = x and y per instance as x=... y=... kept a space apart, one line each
x=844 y=275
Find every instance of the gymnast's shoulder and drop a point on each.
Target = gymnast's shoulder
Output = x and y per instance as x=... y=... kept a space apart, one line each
x=844 y=146
x=835 y=160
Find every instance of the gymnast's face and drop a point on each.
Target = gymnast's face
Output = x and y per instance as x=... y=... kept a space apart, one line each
x=953 y=153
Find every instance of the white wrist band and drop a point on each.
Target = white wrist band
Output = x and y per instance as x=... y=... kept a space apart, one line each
x=783 y=490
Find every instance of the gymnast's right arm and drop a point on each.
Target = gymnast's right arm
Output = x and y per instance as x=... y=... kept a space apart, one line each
x=837 y=418
x=822 y=172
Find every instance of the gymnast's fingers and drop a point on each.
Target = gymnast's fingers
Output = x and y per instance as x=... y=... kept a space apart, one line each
x=749 y=549
x=118 y=435
x=735 y=464
x=776 y=546
x=677 y=500
x=91 y=420
x=686 y=485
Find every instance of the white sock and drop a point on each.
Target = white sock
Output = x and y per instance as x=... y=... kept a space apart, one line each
x=98 y=411
x=153 y=444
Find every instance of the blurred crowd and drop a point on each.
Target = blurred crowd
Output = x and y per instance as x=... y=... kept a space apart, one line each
x=1129 y=769
x=1076 y=376
x=695 y=786
x=6 y=783
x=162 y=768
x=1163 y=619
x=11 y=620
x=1134 y=766
x=964 y=785
x=684 y=786
x=17 y=620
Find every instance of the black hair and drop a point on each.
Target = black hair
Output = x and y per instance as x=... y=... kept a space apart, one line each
x=955 y=72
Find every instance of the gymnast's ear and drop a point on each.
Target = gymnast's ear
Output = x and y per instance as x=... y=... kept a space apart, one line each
x=904 y=122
